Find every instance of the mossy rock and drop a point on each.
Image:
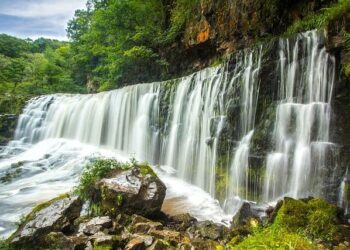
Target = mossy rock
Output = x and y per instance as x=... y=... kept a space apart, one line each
x=52 y=216
x=316 y=218
x=137 y=190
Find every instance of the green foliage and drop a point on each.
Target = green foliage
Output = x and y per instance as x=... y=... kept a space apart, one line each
x=4 y=245
x=179 y=16
x=99 y=169
x=116 y=43
x=37 y=67
x=346 y=66
x=13 y=47
x=322 y=18
x=12 y=104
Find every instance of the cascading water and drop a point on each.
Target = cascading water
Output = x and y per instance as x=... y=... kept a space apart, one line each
x=238 y=187
x=180 y=127
x=344 y=193
x=301 y=135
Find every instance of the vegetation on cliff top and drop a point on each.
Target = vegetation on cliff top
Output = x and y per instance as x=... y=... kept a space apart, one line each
x=116 y=43
x=322 y=18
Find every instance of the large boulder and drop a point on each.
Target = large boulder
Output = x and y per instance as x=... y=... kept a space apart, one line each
x=133 y=191
x=53 y=216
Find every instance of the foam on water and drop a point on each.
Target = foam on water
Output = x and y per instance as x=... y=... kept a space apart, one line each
x=53 y=166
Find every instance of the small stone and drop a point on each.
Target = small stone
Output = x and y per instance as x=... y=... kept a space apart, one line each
x=183 y=221
x=210 y=230
x=139 y=219
x=169 y=235
x=123 y=219
x=80 y=242
x=57 y=240
x=116 y=229
x=145 y=227
x=89 y=246
x=103 y=240
x=95 y=225
x=158 y=245
x=183 y=218
x=204 y=244
x=148 y=240
x=135 y=244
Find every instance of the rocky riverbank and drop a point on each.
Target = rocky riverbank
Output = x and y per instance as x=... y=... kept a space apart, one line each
x=118 y=206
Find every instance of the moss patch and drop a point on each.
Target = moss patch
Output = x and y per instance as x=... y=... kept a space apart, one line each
x=298 y=225
x=146 y=169
x=315 y=218
x=275 y=239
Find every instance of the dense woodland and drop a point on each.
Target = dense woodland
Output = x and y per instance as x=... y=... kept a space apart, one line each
x=35 y=67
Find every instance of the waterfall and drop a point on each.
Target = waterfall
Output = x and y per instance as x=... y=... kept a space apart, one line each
x=128 y=119
x=301 y=134
x=238 y=174
x=200 y=128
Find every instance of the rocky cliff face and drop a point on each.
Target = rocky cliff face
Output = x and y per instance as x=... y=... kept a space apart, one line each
x=219 y=28
x=7 y=128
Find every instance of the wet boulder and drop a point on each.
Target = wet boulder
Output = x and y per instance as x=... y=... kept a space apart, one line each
x=183 y=221
x=210 y=230
x=54 y=216
x=243 y=215
x=133 y=191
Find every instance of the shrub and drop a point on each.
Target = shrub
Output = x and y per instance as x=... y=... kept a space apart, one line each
x=99 y=169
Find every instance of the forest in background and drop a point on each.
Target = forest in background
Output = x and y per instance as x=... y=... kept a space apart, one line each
x=35 y=67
